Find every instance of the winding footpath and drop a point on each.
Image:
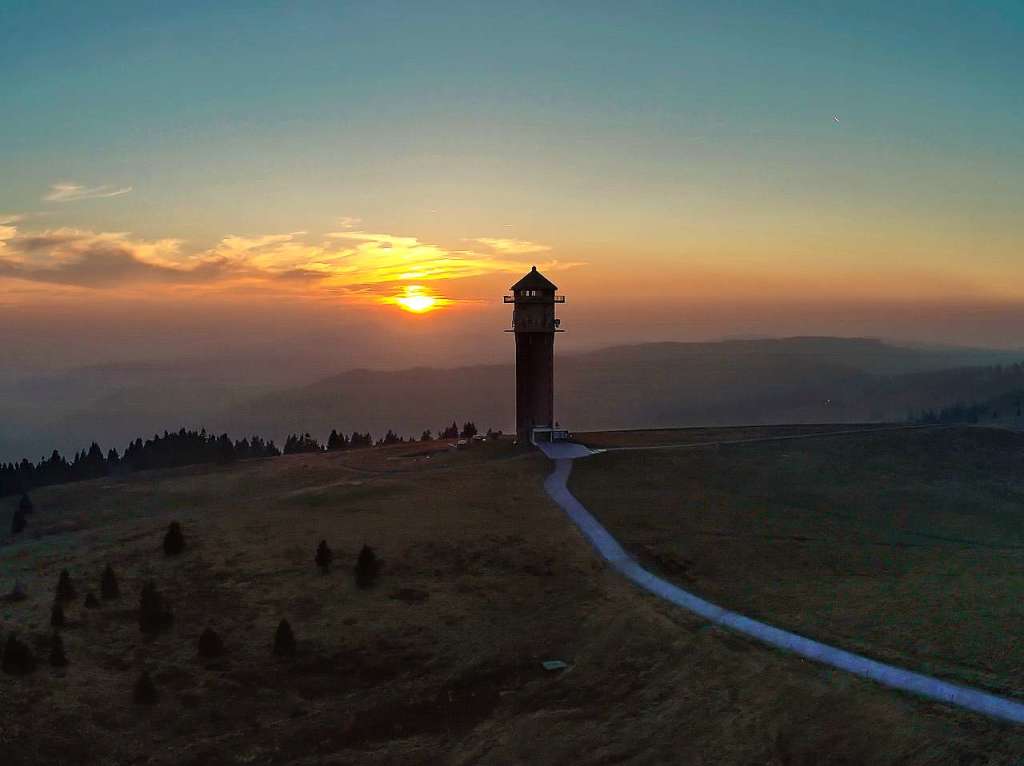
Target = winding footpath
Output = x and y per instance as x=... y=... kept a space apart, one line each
x=889 y=675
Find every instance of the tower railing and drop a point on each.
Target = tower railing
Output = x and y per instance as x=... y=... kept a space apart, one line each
x=533 y=299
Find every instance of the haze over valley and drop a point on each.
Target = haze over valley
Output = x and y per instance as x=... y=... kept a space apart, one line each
x=763 y=381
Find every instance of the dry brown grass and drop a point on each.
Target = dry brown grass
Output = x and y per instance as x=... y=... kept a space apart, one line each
x=454 y=678
x=706 y=434
x=906 y=546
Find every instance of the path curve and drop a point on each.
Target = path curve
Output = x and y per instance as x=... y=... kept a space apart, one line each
x=889 y=675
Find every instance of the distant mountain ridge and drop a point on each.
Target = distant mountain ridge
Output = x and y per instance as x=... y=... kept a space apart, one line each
x=632 y=386
x=741 y=381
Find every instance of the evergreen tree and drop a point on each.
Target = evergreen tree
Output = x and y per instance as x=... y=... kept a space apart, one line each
x=367 y=567
x=210 y=645
x=144 y=692
x=108 y=584
x=284 y=640
x=296 y=444
x=57 y=657
x=65 y=589
x=225 y=449
x=93 y=464
x=18 y=657
x=324 y=556
x=426 y=436
x=26 y=506
x=57 y=615
x=174 y=540
x=468 y=430
x=359 y=440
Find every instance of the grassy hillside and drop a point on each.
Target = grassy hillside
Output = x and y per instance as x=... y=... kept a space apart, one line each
x=907 y=546
x=438 y=663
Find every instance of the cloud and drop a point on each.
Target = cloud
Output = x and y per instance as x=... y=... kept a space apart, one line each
x=512 y=246
x=95 y=260
x=7 y=228
x=67 y=191
x=380 y=258
x=358 y=265
x=349 y=221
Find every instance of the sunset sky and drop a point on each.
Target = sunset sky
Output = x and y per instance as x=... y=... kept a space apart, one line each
x=681 y=170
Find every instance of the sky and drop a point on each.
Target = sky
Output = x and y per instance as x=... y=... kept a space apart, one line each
x=365 y=179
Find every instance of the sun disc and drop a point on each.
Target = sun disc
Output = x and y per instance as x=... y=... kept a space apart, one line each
x=416 y=303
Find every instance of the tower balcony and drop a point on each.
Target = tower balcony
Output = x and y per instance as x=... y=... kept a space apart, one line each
x=533 y=299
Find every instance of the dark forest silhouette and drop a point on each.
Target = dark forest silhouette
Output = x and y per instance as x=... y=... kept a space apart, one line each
x=171 y=450
x=185 y=448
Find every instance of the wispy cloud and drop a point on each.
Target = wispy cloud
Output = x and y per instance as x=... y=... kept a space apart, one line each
x=8 y=230
x=68 y=191
x=359 y=265
x=512 y=246
x=89 y=259
x=349 y=221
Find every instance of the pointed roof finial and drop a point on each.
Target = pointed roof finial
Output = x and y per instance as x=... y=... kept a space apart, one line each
x=534 y=280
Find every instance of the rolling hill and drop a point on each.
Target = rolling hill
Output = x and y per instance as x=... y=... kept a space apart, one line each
x=441 y=660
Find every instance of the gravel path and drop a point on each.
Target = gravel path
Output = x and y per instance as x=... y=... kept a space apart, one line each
x=889 y=675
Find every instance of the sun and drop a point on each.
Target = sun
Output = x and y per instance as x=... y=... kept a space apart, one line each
x=417 y=300
x=417 y=304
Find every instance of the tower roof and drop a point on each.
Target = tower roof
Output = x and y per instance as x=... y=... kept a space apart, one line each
x=534 y=281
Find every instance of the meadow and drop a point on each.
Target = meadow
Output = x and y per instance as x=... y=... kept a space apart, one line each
x=440 y=661
x=907 y=546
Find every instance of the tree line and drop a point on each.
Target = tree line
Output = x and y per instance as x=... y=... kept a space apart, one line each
x=170 y=450
x=188 y=447
x=961 y=412
x=300 y=443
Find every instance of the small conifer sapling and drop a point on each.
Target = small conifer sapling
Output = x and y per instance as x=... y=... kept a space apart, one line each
x=324 y=556
x=210 y=645
x=174 y=540
x=284 y=640
x=367 y=567
x=65 y=589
